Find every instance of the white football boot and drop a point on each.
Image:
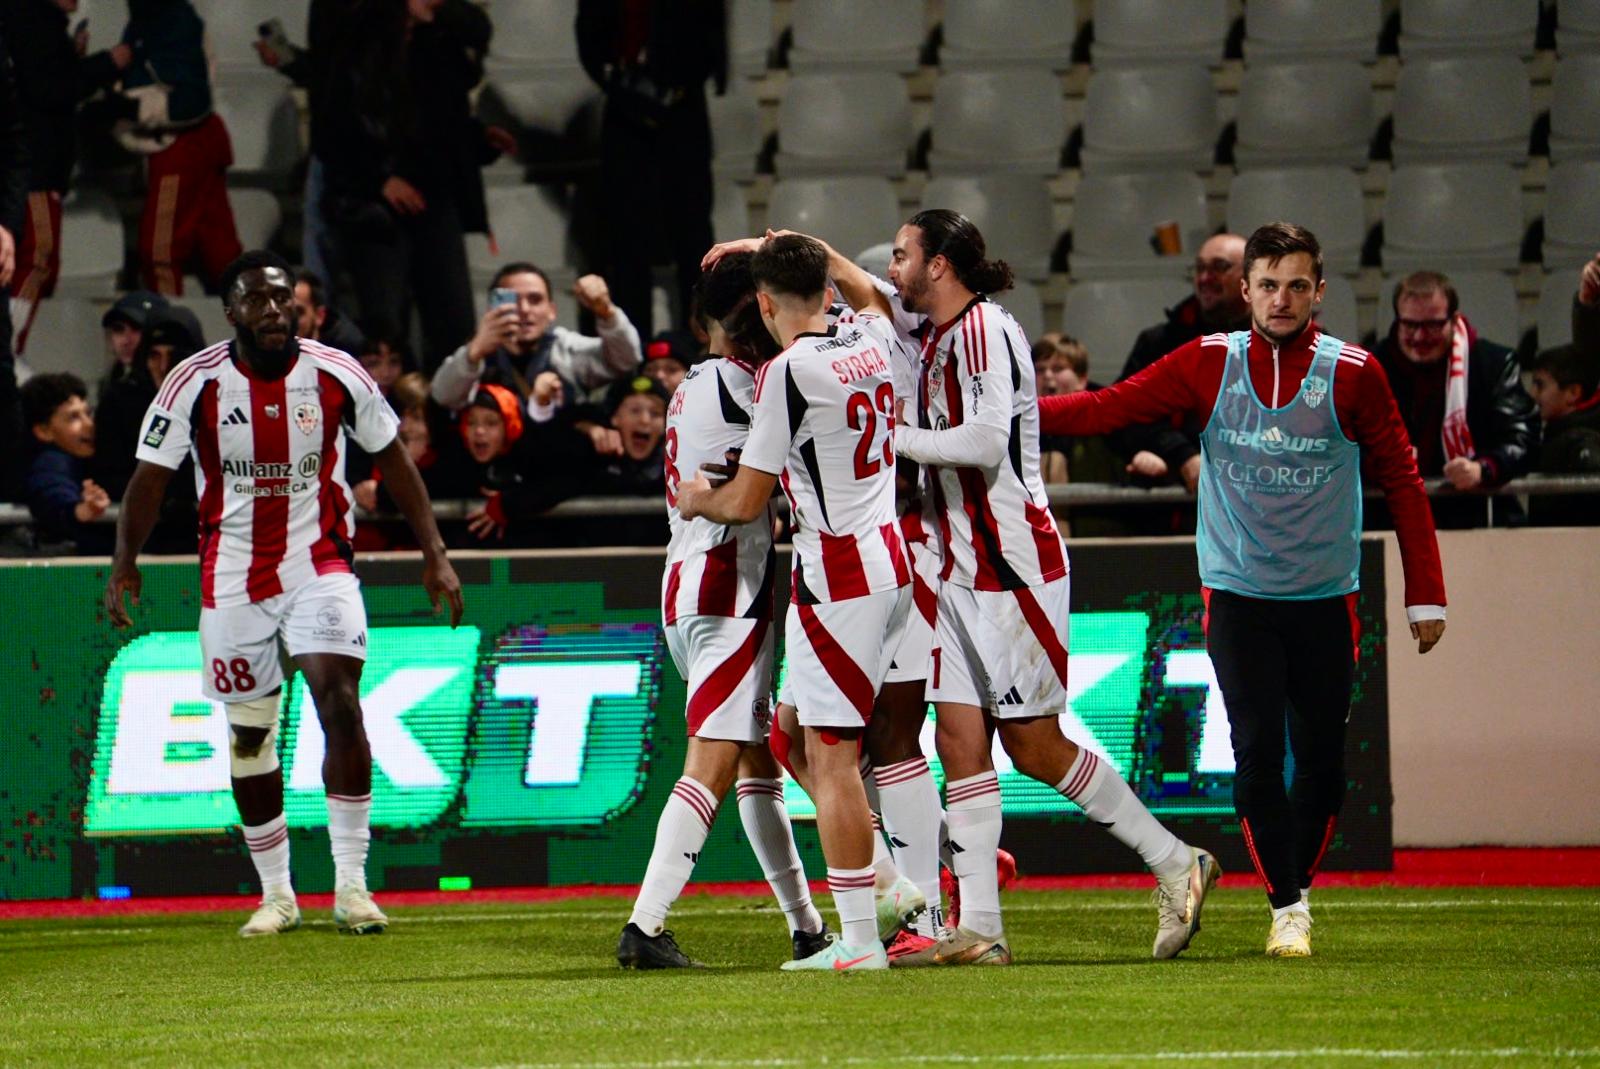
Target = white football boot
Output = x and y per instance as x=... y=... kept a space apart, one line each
x=356 y=913
x=276 y=913
x=898 y=907
x=1178 y=903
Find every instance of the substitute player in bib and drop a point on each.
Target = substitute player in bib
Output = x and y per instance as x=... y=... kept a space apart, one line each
x=716 y=604
x=1000 y=642
x=824 y=427
x=1291 y=415
x=266 y=417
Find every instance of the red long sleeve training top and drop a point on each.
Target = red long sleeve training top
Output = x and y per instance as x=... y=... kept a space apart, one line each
x=1186 y=380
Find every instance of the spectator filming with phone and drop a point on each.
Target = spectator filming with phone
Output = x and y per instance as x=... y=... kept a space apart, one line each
x=519 y=347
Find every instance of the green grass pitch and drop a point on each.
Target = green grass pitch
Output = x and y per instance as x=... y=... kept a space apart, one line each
x=1444 y=977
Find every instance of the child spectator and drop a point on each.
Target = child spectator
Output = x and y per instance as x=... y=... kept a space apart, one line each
x=62 y=499
x=1061 y=366
x=638 y=413
x=667 y=358
x=1564 y=386
x=386 y=360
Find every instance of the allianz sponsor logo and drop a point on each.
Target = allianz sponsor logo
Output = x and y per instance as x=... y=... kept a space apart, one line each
x=1272 y=441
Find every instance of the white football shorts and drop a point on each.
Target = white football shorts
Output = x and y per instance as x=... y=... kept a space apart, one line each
x=839 y=653
x=727 y=663
x=240 y=642
x=1002 y=650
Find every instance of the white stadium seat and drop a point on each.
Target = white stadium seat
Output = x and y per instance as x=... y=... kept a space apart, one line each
x=749 y=36
x=836 y=122
x=1107 y=315
x=1575 y=109
x=1282 y=124
x=1325 y=200
x=852 y=212
x=92 y=244
x=1013 y=212
x=1114 y=217
x=1456 y=27
x=527 y=224
x=1488 y=300
x=256 y=216
x=1150 y=118
x=547 y=100
x=885 y=35
x=66 y=336
x=736 y=138
x=1026 y=307
x=214 y=325
x=263 y=124
x=1451 y=110
x=1467 y=216
x=1577 y=27
x=1150 y=32
x=1312 y=29
x=730 y=212
x=1014 y=120
x=539 y=36
x=1337 y=314
x=1008 y=33
x=1571 y=214
x=1555 y=309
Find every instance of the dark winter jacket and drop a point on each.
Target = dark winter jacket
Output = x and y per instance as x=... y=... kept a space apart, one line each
x=51 y=82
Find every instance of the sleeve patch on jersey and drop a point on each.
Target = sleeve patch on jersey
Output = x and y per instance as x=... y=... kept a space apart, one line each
x=159 y=425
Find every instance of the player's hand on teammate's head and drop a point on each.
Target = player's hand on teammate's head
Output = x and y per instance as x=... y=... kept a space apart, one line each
x=124 y=577
x=1427 y=633
x=724 y=248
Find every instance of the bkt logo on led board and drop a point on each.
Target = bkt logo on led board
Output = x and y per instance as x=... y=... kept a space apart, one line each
x=554 y=706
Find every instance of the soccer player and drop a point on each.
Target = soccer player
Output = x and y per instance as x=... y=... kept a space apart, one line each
x=824 y=427
x=717 y=607
x=1291 y=415
x=266 y=416
x=1000 y=645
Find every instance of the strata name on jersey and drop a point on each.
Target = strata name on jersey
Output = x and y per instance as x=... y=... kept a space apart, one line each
x=713 y=569
x=268 y=463
x=995 y=523
x=824 y=423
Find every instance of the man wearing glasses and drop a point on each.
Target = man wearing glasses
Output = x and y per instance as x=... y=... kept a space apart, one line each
x=1163 y=451
x=1460 y=395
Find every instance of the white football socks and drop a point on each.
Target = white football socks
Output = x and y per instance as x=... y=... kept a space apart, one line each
x=884 y=871
x=269 y=852
x=858 y=912
x=972 y=808
x=766 y=825
x=912 y=817
x=1099 y=791
x=680 y=833
x=349 y=833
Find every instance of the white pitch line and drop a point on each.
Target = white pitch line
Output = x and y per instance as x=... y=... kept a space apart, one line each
x=1066 y=1057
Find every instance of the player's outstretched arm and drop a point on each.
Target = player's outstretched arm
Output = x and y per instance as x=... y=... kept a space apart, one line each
x=141 y=508
x=404 y=483
x=739 y=500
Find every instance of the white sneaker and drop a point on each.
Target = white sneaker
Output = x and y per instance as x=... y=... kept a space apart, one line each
x=898 y=907
x=356 y=913
x=1291 y=935
x=837 y=957
x=1178 y=903
x=276 y=913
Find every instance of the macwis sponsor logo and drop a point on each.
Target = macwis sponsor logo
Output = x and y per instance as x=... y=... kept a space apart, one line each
x=1272 y=441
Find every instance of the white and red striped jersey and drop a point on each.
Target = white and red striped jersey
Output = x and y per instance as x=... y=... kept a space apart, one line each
x=824 y=423
x=995 y=523
x=713 y=569
x=268 y=463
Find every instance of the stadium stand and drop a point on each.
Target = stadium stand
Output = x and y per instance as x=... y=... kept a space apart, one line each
x=1554 y=315
x=264 y=125
x=1457 y=216
x=1571 y=214
x=736 y=137
x=885 y=35
x=535 y=37
x=1326 y=200
x=1338 y=313
x=92 y=244
x=749 y=37
x=1146 y=32
x=1488 y=299
x=1106 y=316
x=1457 y=27
x=844 y=122
x=851 y=212
x=256 y=215
x=1312 y=30
x=527 y=225
x=231 y=26
x=1455 y=109
x=1115 y=217
x=1008 y=33
x=730 y=211
x=1281 y=125
x=1578 y=27
x=1150 y=119
x=66 y=336
x=1012 y=120
x=1575 y=109
x=1013 y=211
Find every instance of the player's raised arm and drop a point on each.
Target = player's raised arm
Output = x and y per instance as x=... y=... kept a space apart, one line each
x=404 y=483
x=1169 y=386
x=141 y=508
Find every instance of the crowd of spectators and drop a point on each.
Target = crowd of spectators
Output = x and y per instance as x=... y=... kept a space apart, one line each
x=507 y=410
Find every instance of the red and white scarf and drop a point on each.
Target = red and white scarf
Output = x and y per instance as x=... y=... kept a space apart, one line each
x=1457 y=438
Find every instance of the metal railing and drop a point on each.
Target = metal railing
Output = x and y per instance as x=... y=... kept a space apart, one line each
x=1062 y=495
